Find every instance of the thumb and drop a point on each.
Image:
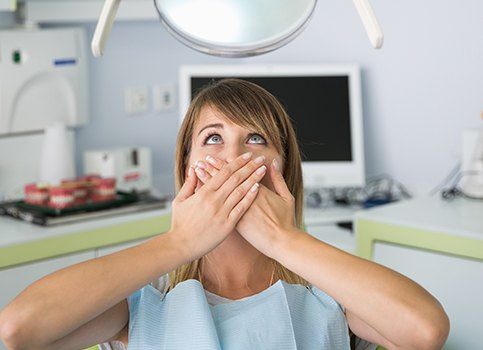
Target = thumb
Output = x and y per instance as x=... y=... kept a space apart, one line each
x=189 y=185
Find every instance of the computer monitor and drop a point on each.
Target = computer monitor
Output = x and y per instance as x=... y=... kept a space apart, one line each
x=324 y=103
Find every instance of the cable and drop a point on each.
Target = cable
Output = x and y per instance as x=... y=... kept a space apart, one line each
x=378 y=190
x=453 y=191
x=455 y=171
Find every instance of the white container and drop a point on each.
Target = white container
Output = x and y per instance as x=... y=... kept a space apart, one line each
x=57 y=160
x=130 y=166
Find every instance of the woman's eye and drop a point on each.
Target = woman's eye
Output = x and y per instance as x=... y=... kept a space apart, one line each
x=257 y=137
x=215 y=138
x=211 y=137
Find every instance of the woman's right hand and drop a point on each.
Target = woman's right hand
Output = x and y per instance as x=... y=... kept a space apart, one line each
x=202 y=220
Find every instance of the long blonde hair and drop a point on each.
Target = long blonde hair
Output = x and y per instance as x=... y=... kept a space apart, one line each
x=249 y=106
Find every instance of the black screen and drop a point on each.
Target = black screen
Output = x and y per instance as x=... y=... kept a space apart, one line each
x=319 y=109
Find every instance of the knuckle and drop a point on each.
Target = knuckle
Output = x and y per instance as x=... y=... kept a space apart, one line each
x=239 y=192
x=225 y=172
x=235 y=178
x=240 y=208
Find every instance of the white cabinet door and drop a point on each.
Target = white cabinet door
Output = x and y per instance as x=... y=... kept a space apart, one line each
x=15 y=280
x=116 y=248
x=455 y=281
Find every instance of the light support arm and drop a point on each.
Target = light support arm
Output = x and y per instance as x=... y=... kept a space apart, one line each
x=109 y=10
x=104 y=25
x=369 y=20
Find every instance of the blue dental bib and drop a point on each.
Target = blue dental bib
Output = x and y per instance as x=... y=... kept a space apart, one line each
x=282 y=317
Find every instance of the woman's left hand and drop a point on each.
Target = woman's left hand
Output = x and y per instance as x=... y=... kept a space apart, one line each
x=271 y=217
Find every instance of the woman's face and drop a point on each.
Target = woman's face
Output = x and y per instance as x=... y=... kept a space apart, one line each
x=218 y=137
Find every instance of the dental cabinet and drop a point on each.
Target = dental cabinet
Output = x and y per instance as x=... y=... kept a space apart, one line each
x=438 y=244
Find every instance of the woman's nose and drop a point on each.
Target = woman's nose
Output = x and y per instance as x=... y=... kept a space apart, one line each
x=233 y=152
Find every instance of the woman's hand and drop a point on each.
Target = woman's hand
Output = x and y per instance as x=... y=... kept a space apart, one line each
x=271 y=216
x=202 y=220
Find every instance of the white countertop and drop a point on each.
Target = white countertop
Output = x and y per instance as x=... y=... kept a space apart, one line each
x=13 y=231
x=458 y=217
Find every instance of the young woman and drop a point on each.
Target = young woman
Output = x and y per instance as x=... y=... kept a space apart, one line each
x=236 y=270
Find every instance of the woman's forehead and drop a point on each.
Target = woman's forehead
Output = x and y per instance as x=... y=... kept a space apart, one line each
x=209 y=115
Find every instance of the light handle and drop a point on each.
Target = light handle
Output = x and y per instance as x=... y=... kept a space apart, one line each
x=104 y=25
x=369 y=20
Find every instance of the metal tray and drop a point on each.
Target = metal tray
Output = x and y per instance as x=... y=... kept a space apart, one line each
x=125 y=203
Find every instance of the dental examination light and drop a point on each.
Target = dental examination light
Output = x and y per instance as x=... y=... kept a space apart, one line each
x=234 y=28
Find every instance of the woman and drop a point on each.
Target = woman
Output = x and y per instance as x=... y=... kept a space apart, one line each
x=242 y=273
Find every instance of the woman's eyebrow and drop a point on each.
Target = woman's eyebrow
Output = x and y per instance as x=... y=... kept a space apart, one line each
x=218 y=125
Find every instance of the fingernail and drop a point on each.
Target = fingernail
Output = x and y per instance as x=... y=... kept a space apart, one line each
x=200 y=172
x=261 y=170
x=200 y=164
x=254 y=187
x=190 y=171
x=275 y=164
x=211 y=160
x=247 y=155
x=259 y=160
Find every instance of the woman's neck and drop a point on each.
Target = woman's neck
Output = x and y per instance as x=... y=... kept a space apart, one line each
x=236 y=268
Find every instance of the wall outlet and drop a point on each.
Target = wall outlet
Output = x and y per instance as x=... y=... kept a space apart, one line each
x=136 y=100
x=163 y=97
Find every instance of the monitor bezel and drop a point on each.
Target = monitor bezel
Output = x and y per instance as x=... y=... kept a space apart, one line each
x=317 y=174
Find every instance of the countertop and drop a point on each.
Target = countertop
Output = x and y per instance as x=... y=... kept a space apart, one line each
x=461 y=217
x=22 y=242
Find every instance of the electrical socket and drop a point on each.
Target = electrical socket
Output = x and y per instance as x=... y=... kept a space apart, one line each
x=136 y=100
x=163 y=97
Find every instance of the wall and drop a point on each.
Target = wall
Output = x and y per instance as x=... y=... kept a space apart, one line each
x=419 y=92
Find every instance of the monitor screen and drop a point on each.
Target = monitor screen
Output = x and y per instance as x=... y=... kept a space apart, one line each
x=319 y=107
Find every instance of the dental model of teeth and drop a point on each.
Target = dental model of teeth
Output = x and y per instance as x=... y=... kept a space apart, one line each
x=71 y=193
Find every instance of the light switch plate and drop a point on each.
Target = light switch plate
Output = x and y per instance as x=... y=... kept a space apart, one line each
x=163 y=97
x=136 y=100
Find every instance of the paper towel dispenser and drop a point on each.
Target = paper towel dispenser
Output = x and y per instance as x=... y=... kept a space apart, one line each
x=43 y=78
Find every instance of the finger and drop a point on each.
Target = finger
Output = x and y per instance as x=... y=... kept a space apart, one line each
x=278 y=181
x=189 y=185
x=215 y=162
x=242 y=206
x=198 y=185
x=210 y=169
x=237 y=195
x=203 y=175
x=227 y=171
x=239 y=177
